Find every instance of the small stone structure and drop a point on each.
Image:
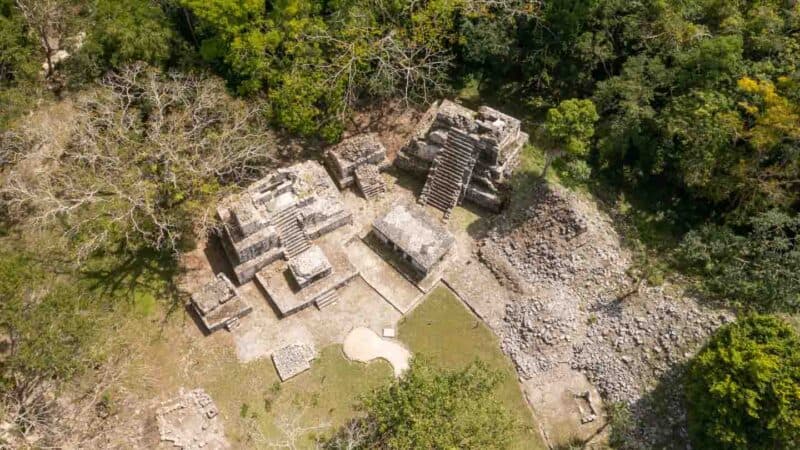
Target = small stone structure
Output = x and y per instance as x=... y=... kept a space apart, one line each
x=310 y=266
x=277 y=216
x=219 y=305
x=191 y=422
x=310 y=278
x=420 y=239
x=359 y=159
x=464 y=154
x=293 y=359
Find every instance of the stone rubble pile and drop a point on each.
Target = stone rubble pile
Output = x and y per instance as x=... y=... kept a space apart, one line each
x=540 y=333
x=566 y=263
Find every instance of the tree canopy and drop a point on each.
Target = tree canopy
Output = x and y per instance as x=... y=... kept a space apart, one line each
x=432 y=408
x=743 y=387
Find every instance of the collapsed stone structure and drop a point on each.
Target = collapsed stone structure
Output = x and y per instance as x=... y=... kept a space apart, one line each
x=464 y=154
x=219 y=305
x=191 y=422
x=415 y=235
x=359 y=160
x=277 y=216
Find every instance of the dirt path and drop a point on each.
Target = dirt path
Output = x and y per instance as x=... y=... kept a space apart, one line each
x=362 y=344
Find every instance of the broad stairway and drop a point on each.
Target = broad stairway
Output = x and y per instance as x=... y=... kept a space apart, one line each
x=293 y=238
x=450 y=174
x=369 y=181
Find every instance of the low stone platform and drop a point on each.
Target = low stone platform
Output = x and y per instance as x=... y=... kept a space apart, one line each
x=293 y=360
x=191 y=422
x=219 y=305
x=288 y=297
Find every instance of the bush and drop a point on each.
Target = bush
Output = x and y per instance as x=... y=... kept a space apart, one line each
x=49 y=323
x=743 y=387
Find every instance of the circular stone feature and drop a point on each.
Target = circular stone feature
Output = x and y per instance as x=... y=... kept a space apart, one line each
x=364 y=345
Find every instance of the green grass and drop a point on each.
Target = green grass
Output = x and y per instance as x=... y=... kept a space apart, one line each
x=445 y=331
x=324 y=395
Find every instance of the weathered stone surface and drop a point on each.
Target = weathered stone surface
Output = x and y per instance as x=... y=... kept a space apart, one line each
x=309 y=266
x=191 y=422
x=417 y=235
x=344 y=158
x=498 y=139
x=287 y=298
x=576 y=306
x=249 y=234
x=293 y=359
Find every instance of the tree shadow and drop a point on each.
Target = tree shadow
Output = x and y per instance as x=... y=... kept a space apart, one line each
x=658 y=420
x=124 y=274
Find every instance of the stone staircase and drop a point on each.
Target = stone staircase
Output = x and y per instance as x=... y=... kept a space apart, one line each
x=327 y=299
x=369 y=181
x=449 y=176
x=293 y=238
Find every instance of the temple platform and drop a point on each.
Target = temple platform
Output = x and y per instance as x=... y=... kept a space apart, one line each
x=283 y=290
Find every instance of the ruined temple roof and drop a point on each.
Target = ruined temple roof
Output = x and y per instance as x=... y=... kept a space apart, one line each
x=416 y=233
x=357 y=148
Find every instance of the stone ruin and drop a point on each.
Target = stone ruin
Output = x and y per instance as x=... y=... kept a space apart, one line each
x=464 y=154
x=278 y=216
x=191 y=422
x=417 y=237
x=293 y=360
x=219 y=305
x=359 y=160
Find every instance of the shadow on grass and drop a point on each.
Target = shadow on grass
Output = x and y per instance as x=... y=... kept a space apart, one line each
x=135 y=276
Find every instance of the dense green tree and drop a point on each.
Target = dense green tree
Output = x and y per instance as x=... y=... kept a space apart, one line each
x=570 y=128
x=119 y=33
x=19 y=65
x=434 y=409
x=743 y=388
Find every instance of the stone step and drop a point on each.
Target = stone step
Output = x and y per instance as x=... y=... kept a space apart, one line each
x=327 y=299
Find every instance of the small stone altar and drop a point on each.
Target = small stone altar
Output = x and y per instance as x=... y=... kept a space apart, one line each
x=309 y=266
x=219 y=305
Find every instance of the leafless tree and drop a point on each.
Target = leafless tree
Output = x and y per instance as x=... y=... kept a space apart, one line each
x=357 y=433
x=148 y=159
x=292 y=427
x=377 y=62
x=50 y=20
